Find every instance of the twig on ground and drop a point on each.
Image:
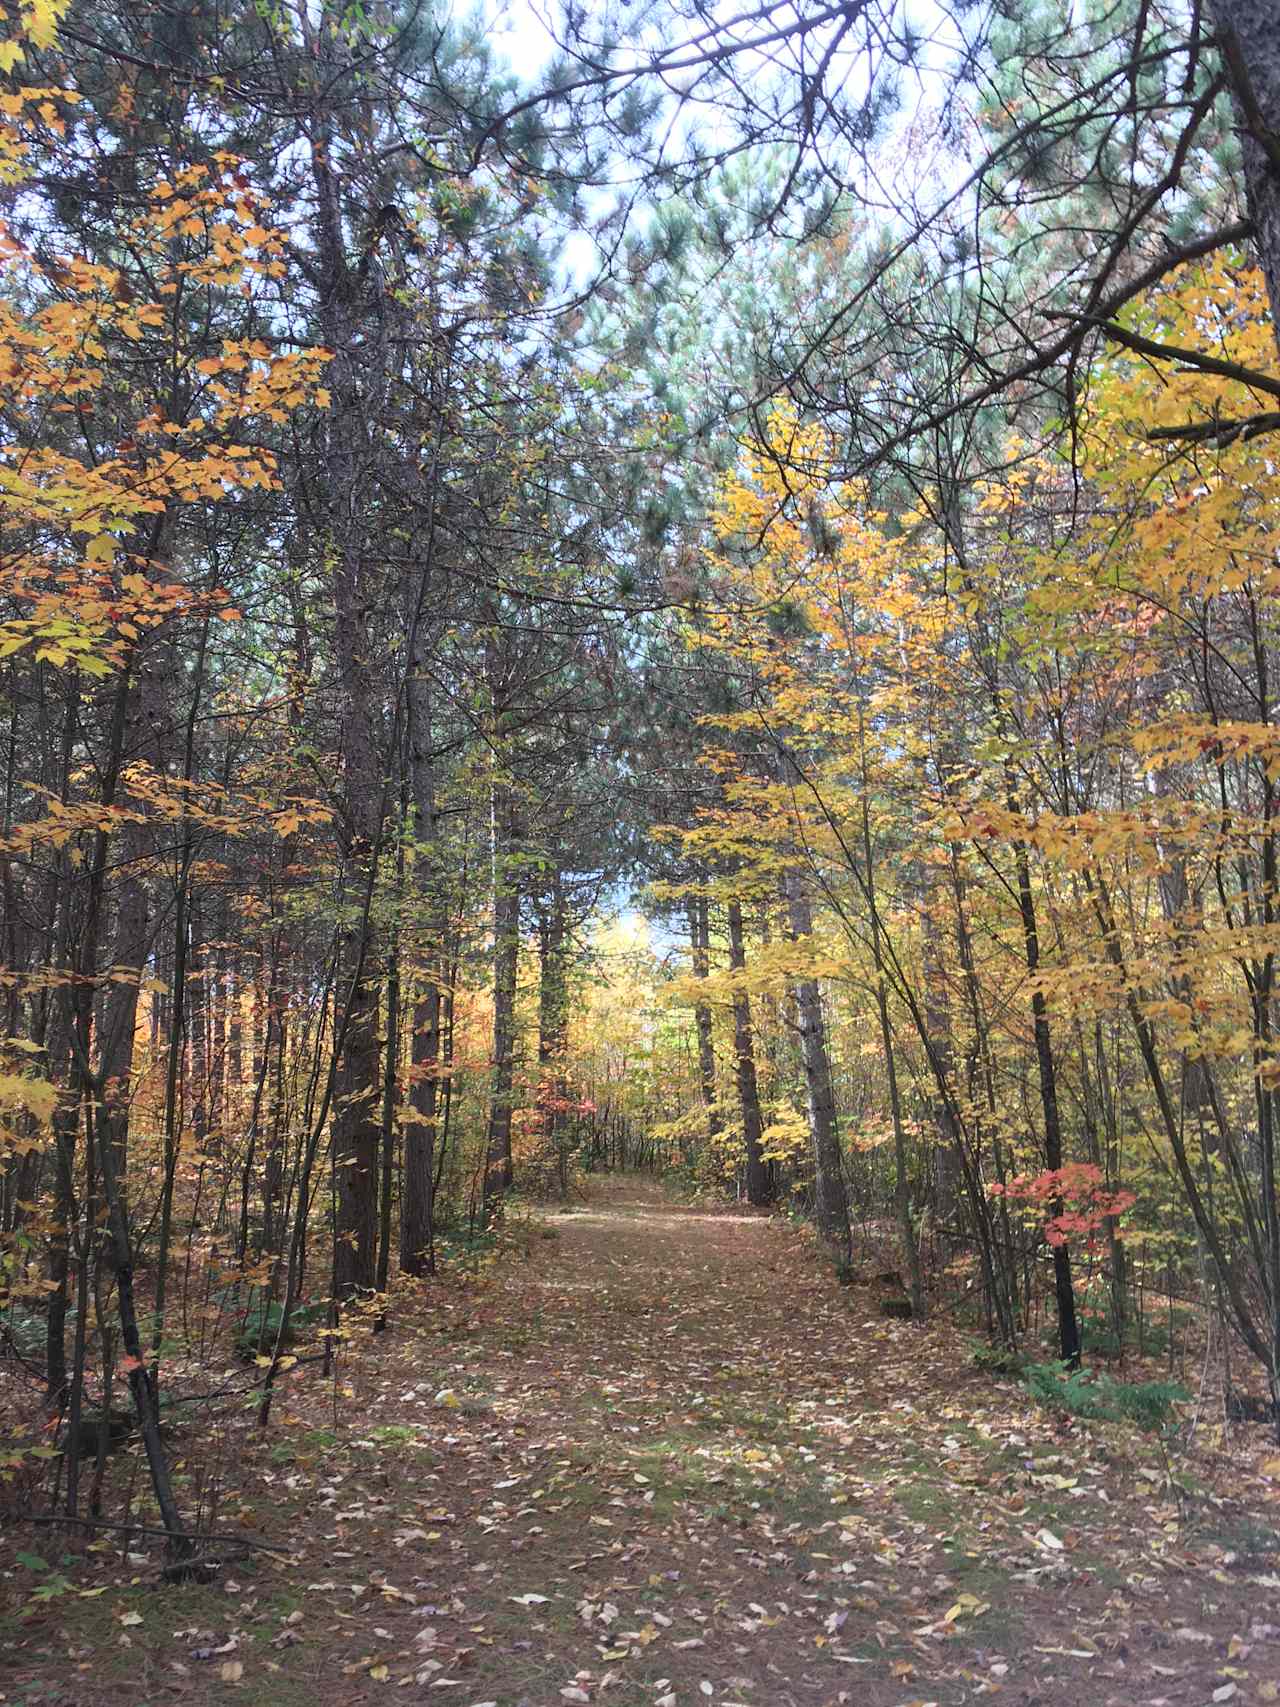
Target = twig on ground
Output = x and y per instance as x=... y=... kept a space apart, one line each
x=256 y=1543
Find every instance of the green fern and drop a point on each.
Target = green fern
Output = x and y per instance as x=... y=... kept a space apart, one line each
x=1079 y=1393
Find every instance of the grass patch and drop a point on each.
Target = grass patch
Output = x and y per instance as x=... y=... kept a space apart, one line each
x=1245 y=1536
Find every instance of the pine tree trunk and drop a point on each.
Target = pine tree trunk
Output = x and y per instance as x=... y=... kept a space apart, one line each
x=390 y=1091
x=553 y=1025
x=356 y=1129
x=759 y=1181
x=700 y=946
x=499 y=1174
x=417 y=1187
x=356 y=1126
x=1249 y=43
x=353 y=378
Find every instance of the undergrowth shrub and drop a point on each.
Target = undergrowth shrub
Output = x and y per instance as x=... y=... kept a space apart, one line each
x=995 y=1359
x=258 y=1319
x=26 y=1331
x=1080 y=1393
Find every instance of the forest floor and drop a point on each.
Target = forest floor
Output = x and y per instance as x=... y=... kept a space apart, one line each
x=666 y=1460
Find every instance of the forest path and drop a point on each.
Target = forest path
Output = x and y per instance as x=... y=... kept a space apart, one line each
x=664 y=1459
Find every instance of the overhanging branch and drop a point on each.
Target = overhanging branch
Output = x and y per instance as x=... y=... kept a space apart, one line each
x=1219 y=433
x=1198 y=359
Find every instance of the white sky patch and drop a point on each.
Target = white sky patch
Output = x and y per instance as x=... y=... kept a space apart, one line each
x=909 y=170
x=521 y=35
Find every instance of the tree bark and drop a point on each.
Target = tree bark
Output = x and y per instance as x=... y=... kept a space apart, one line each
x=700 y=946
x=553 y=1025
x=1064 y=1291
x=390 y=1083
x=146 y=720
x=937 y=1016
x=89 y=1090
x=1249 y=43
x=499 y=1173
x=353 y=378
x=759 y=1179
x=832 y=1202
x=417 y=1190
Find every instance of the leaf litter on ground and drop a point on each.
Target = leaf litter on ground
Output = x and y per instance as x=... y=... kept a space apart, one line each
x=667 y=1460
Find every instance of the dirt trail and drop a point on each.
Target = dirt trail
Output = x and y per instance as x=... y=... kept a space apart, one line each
x=664 y=1459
